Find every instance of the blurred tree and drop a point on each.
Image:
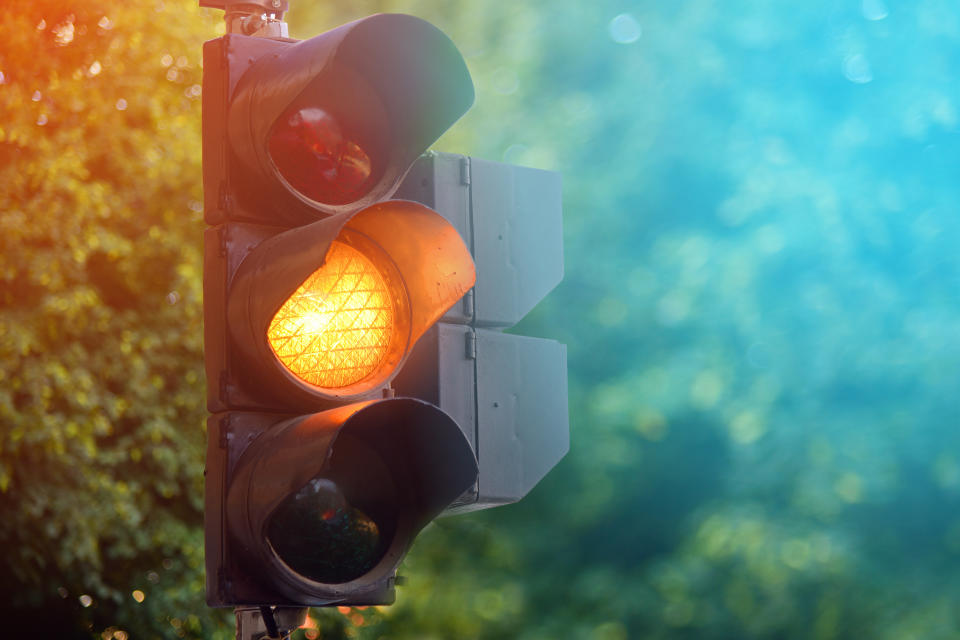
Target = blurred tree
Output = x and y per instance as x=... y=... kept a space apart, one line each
x=101 y=399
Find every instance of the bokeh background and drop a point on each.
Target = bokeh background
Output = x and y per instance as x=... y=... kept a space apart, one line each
x=761 y=307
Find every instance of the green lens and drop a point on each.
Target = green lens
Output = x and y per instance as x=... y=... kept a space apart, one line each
x=339 y=525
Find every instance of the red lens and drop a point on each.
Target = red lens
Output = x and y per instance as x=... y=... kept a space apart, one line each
x=310 y=150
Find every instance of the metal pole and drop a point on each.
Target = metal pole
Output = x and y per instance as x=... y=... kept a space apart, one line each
x=262 y=622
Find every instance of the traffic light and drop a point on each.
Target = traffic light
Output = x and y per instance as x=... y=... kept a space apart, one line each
x=316 y=289
x=359 y=379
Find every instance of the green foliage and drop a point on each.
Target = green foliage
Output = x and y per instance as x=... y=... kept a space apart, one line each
x=760 y=304
x=100 y=328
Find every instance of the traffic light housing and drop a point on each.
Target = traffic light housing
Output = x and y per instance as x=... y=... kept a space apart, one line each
x=324 y=299
x=316 y=288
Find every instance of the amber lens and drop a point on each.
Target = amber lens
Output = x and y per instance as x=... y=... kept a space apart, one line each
x=336 y=328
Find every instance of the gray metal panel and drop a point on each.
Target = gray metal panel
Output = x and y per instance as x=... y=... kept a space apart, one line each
x=437 y=180
x=439 y=371
x=456 y=382
x=452 y=201
x=518 y=239
x=508 y=393
x=455 y=379
x=452 y=194
x=522 y=410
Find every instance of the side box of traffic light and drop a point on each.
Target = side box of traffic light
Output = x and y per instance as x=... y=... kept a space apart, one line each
x=508 y=392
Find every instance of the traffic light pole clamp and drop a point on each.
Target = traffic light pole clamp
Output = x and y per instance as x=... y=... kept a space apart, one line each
x=257 y=623
x=262 y=18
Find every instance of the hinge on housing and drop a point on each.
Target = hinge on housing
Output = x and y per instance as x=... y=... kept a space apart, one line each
x=224 y=201
x=222 y=240
x=468 y=304
x=223 y=581
x=465 y=170
x=470 y=346
x=223 y=427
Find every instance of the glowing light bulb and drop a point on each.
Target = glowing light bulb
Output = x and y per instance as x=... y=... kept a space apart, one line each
x=336 y=328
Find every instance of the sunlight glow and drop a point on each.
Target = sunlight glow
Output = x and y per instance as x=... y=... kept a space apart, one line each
x=335 y=329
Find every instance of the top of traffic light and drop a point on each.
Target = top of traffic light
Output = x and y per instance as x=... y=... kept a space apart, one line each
x=332 y=124
x=277 y=7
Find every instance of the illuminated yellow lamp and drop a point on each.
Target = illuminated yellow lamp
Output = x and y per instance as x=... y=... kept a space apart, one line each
x=336 y=329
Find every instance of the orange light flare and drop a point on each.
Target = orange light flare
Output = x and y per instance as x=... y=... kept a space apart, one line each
x=336 y=328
